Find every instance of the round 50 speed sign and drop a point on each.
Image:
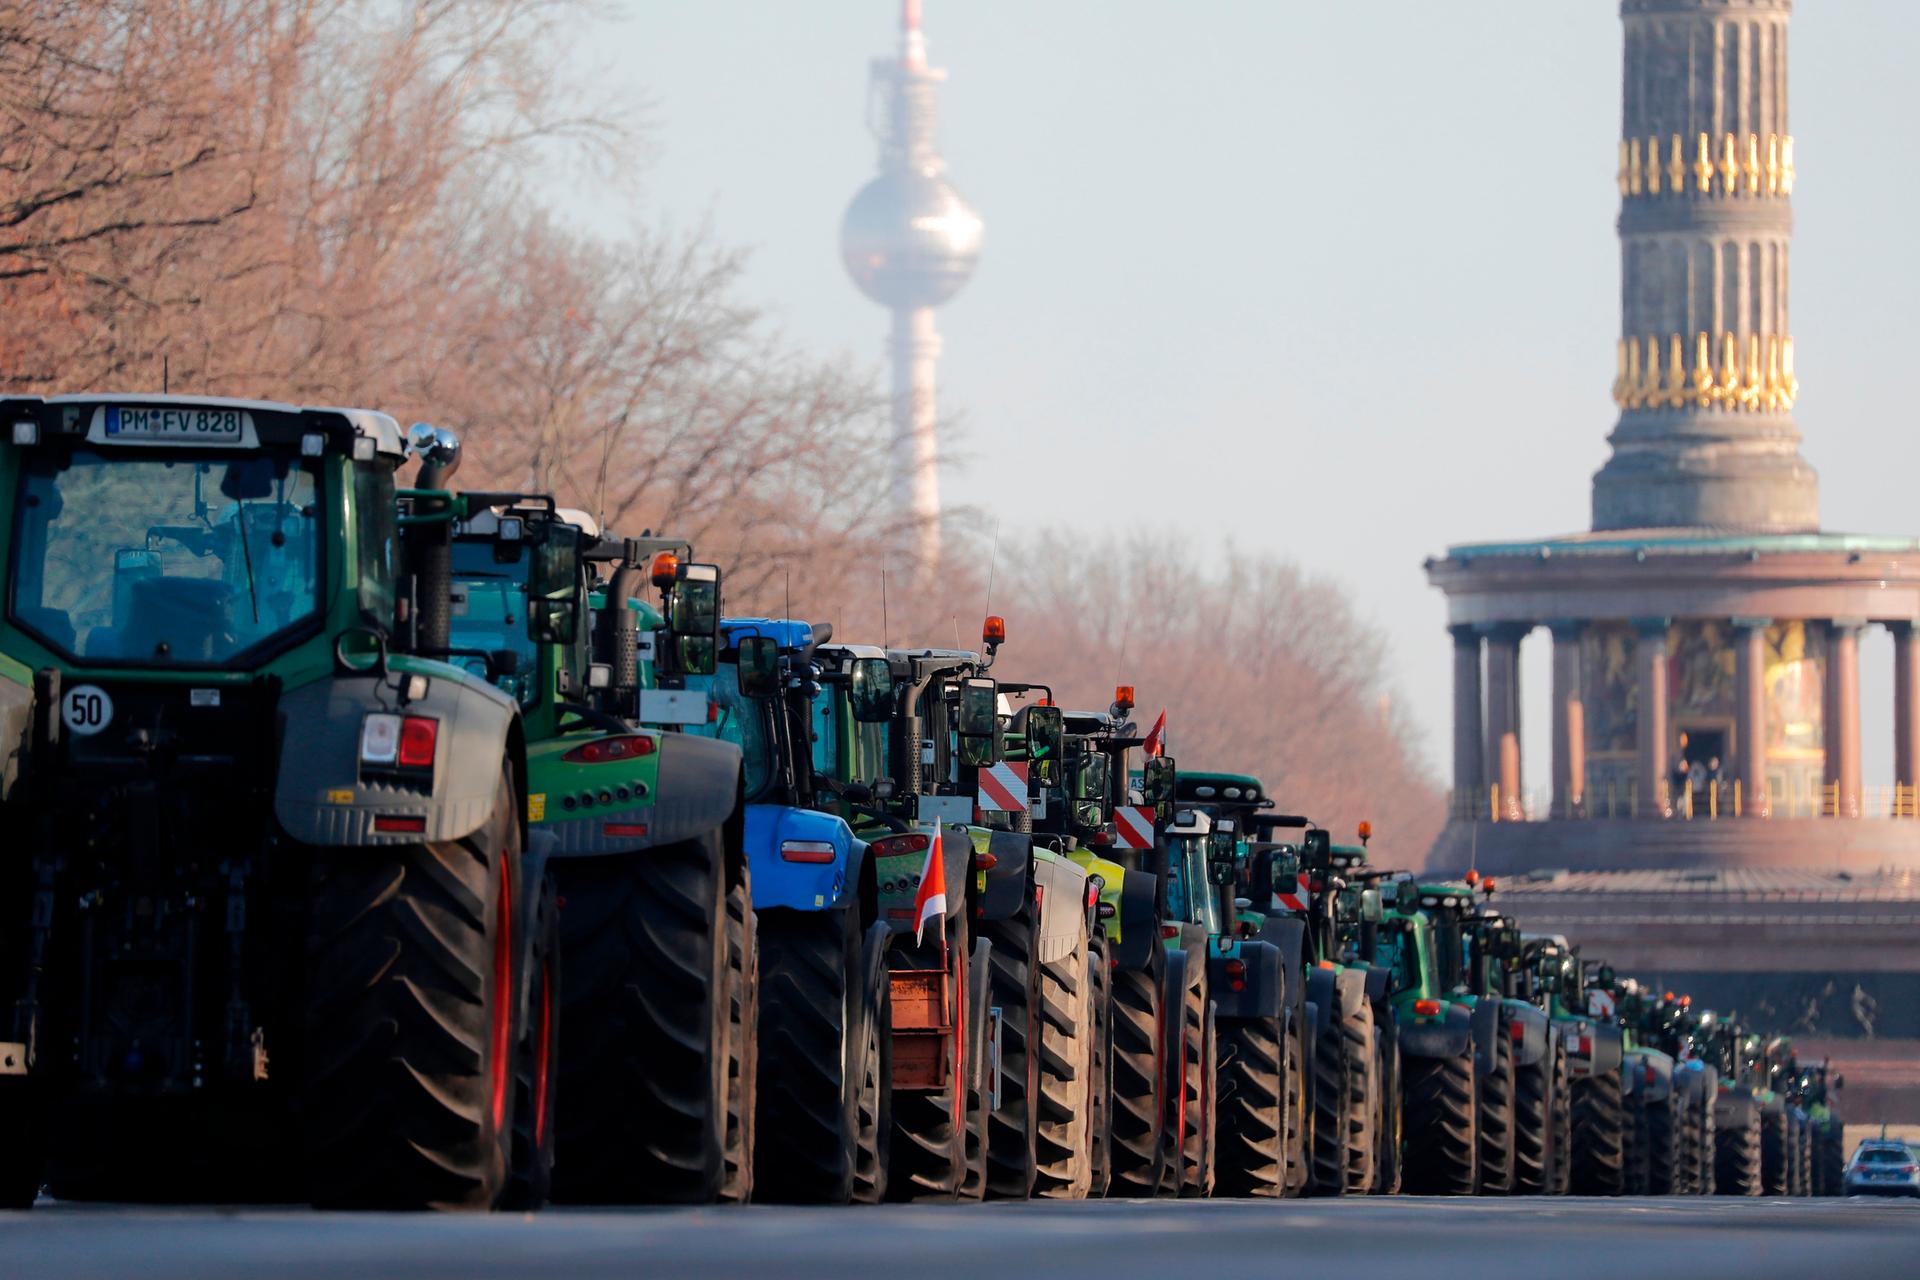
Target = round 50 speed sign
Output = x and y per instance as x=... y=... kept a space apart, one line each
x=86 y=709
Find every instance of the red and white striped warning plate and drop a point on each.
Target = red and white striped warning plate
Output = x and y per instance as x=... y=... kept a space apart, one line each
x=1133 y=826
x=1003 y=787
x=1298 y=899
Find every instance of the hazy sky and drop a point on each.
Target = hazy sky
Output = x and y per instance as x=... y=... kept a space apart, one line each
x=1330 y=278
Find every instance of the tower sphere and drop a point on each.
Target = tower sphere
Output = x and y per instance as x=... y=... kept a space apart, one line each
x=909 y=240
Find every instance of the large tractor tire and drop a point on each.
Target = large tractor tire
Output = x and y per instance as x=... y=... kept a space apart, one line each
x=1802 y=1155
x=1013 y=1126
x=1332 y=1108
x=1100 y=1108
x=1251 y=1090
x=1299 y=1171
x=1635 y=1166
x=656 y=1027
x=743 y=1044
x=1829 y=1159
x=1561 y=1182
x=1599 y=1135
x=1709 y=1142
x=1191 y=1062
x=410 y=1020
x=1065 y=1100
x=1663 y=1128
x=1533 y=1098
x=1496 y=1120
x=1139 y=1099
x=1736 y=1147
x=1359 y=1045
x=23 y=1116
x=1387 y=1135
x=1688 y=1170
x=1776 y=1153
x=816 y=1128
x=1443 y=1136
x=534 y=1071
x=931 y=1150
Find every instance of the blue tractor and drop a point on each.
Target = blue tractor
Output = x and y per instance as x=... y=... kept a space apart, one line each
x=822 y=1121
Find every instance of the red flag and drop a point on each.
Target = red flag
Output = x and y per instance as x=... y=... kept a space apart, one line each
x=930 y=901
x=1156 y=744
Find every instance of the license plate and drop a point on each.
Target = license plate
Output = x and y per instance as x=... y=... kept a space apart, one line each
x=172 y=424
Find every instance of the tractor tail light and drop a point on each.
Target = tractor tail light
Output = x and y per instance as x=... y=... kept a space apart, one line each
x=1427 y=1008
x=894 y=846
x=1517 y=1029
x=629 y=746
x=814 y=851
x=399 y=824
x=418 y=736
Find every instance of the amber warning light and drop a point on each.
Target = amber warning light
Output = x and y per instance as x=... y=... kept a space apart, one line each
x=666 y=568
x=995 y=631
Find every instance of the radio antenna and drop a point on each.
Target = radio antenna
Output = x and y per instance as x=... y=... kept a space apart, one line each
x=886 y=628
x=993 y=562
x=166 y=373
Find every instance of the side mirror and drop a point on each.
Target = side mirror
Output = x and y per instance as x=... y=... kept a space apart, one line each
x=1046 y=741
x=693 y=619
x=552 y=621
x=1370 y=909
x=759 y=666
x=1316 y=848
x=870 y=690
x=556 y=559
x=980 y=734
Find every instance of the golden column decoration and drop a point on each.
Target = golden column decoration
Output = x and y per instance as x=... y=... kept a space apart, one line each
x=1729 y=164
x=1677 y=168
x=1703 y=166
x=1702 y=369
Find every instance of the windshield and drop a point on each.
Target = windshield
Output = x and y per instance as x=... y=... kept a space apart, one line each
x=165 y=559
x=740 y=720
x=1885 y=1155
x=490 y=613
x=1190 y=896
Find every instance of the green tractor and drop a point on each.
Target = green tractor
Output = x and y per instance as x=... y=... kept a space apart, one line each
x=272 y=926
x=655 y=1066
x=1734 y=1055
x=1786 y=1136
x=1497 y=970
x=1653 y=1093
x=1250 y=1001
x=1597 y=1121
x=1349 y=1045
x=1827 y=1167
x=1669 y=1025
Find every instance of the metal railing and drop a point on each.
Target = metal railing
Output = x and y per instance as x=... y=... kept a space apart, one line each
x=1708 y=802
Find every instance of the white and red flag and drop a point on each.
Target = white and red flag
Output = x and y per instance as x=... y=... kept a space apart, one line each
x=1156 y=743
x=930 y=901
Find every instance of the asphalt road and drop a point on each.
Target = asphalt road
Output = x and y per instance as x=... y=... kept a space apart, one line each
x=1413 y=1238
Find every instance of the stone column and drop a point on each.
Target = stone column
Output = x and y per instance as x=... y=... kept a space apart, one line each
x=1750 y=714
x=1469 y=754
x=1906 y=708
x=1503 y=715
x=1569 y=722
x=1650 y=660
x=1843 y=697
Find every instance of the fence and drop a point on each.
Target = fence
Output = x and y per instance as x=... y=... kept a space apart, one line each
x=1705 y=803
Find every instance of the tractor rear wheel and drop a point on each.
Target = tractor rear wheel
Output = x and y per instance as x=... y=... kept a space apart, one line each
x=1599 y=1135
x=1332 y=1106
x=1776 y=1153
x=535 y=1061
x=1358 y=1038
x=1387 y=1135
x=410 y=1020
x=743 y=1044
x=1496 y=1120
x=1663 y=1141
x=1100 y=1091
x=814 y=1038
x=1064 y=1101
x=1532 y=1127
x=1637 y=1157
x=1139 y=1098
x=1251 y=1089
x=1299 y=1171
x=930 y=1144
x=1736 y=1147
x=1802 y=1155
x=649 y=1029
x=1190 y=1061
x=1443 y=1139
x=1829 y=1159
x=873 y=1145
x=1562 y=1164
x=1012 y=1127
x=1686 y=1170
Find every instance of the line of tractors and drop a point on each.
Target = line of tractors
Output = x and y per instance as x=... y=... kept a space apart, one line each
x=399 y=846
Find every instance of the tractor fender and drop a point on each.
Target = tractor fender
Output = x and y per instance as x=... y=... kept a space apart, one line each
x=1138 y=921
x=801 y=885
x=1450 y=1037
x=1489 y=1024
x=1339 y=992
x=1005 y=886
x=1378 y=984
x=534 y=860
x=1289 y=934
x=1310 y=1029
x=696 y=789
x=1536 y=1031
x=1063 y=906
x=16 y=724
x=1648 y=1075
x=320 y=797
x=1609 y=1046
x=1262 y=991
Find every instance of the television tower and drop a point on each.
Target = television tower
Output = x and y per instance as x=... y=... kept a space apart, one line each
x=910 y=242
